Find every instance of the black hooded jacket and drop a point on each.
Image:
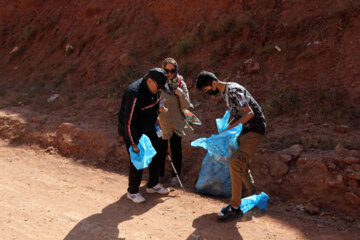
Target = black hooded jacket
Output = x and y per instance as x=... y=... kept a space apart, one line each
x=138 y=112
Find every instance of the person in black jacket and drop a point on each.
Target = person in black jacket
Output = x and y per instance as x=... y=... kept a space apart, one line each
x=137 y=116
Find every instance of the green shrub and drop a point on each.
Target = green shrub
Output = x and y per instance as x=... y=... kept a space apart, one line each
x=184 y=46
x=282 y=101
x=128 y=74
x=29 y=33
x=241 y=47
x=3 y=30
x=265 y=49
x=187 y=69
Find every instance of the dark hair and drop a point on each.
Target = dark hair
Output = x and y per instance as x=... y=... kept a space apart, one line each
x=205 y=79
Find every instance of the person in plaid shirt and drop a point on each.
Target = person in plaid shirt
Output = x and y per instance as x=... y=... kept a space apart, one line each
x=245 y=110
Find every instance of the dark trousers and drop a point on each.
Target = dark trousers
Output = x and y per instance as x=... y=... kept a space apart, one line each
x=154 y=167
x=176 y=154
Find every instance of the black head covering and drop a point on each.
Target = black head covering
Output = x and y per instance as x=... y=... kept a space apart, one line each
x=159 y=76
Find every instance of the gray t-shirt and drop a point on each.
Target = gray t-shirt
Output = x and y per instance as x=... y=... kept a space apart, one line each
x=236 y=97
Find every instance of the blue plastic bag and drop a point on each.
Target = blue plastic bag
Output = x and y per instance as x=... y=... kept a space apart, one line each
x=144 y=157
x=214 y=177
x=259 y=200
x=222 y=123
x=221 y=143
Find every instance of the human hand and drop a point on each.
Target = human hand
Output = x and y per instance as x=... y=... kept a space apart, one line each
x=163 y=109
x=135 y=148
x=179 y=92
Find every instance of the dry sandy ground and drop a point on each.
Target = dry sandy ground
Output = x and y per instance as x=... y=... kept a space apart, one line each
x=46 y=196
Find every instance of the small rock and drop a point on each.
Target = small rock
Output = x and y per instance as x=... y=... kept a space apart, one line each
x=349 y=218
x=354 y=175
x=352 y=183
x=336 y=182
x=356 y=167
x=339 y=147
x=36 y=120
x=351 y=160
x=278 y=181
x=69 y=49
x=285 y=157
x=277 y=48
x=195 y=236
x=300 y=208
x=354 y=153
x=294 y=150
x=53 y=97
x=332 y=166
x=311 y=209
x=15 y=49
x=253 y=68
x=352 y=198
x=342 y=128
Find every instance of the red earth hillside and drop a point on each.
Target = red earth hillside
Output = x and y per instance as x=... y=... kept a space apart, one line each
x=300 y=59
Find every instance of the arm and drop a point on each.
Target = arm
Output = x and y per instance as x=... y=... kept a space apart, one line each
x=248 y=114
x=183 y=95
x=131 y=114
x=241 y=108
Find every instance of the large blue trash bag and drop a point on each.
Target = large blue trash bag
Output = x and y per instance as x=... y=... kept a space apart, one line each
x=214 y=177
x=144 y=157
x=220 y=144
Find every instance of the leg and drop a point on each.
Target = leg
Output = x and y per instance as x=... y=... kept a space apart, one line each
x=176 y=153
x=155 y=165
x=134 y=174
x=237 y=167
x=163 y=158
x=248 y=143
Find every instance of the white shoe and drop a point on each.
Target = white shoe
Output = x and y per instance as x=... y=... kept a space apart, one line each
x=158 y=188
x=136 y=197
x=174 y=182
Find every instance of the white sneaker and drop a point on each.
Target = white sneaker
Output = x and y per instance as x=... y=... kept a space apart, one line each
x=158 y=188
x=136 y=197
x=174 y=182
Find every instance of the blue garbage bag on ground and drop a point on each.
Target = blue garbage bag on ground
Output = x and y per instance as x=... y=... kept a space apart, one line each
x=144 y=157
x=214 y=177
x=259 y=200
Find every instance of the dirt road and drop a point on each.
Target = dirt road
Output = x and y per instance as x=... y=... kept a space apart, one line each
x=46 y=196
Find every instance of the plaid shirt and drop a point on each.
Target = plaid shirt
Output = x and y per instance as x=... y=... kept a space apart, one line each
x=236 y=98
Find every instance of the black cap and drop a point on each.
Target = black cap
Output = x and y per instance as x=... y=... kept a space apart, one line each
x=159 y=76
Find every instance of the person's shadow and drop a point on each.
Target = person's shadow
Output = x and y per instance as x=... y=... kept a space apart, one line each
x=104 y=225
x=207 y=227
